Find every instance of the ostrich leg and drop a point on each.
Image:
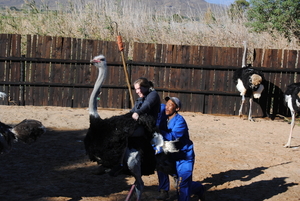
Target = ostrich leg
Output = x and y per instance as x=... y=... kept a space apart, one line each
x=288 y=144
x=241 y=107
x=250 y=109
x=134 y=165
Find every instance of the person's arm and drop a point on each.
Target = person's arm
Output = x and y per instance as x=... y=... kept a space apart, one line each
x=161 y=115
x=176 y=129
x=151 y=99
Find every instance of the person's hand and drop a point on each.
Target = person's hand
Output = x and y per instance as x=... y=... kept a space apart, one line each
x=135 y=116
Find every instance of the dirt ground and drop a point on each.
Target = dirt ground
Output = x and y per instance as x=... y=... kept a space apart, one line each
x=236 y=160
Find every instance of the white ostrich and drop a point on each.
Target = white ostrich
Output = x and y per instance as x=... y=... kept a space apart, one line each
x=2 y=95
x=107 y=139
x=292 y=98
x=249 y=82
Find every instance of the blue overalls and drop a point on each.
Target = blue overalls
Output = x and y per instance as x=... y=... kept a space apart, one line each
x=177 y=129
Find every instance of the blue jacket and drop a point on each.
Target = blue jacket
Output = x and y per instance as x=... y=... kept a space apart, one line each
x=150 y=104
x=177 y=129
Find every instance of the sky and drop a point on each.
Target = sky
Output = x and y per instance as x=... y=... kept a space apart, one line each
x=225 y=2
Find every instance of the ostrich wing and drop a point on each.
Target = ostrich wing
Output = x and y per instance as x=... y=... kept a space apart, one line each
x=29 y=130
x=6 y=138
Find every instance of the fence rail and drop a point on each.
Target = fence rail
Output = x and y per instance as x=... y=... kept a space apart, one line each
x=44 y=70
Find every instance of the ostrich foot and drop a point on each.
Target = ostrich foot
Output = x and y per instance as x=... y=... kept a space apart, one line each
x=250 y=119
x=287 y=145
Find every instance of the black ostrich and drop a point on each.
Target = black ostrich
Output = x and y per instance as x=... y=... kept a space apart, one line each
x=26 y=131
x=292 y=98
x=249 y=82
x=107 y=139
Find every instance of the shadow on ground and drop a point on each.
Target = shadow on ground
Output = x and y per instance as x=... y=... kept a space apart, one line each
x=258 y=191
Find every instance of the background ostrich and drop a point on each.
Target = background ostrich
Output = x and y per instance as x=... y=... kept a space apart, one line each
x=107 y=139
x=249 y=82
x=26 y=131
x=292 y=98
x=2 y=95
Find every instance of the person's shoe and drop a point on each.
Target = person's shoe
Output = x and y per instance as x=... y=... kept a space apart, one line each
x=163 y=195
x=202 y=197
x=115 y=171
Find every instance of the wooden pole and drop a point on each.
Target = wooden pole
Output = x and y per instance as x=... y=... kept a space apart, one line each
x=121 y=48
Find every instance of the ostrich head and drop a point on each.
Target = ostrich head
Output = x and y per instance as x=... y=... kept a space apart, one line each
x=99 y=61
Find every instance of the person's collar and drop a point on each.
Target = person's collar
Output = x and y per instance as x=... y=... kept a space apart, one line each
x=172 y=116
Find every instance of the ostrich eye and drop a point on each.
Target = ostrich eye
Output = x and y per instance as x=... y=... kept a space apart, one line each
x=102 y=59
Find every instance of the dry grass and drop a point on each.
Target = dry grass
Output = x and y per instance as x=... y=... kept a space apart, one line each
x=137 y=23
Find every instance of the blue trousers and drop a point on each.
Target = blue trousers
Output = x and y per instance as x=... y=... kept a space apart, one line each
x=185 y=187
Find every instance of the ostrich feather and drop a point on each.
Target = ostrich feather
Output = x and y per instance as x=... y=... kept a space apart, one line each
x=26 y=131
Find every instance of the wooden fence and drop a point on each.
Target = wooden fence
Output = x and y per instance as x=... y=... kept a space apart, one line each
x=55 y=71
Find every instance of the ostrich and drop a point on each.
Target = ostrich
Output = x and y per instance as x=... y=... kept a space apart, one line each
x=249 y=82
x=292 y=98
x=106 y=139
x=26 y=131
x=2 y=95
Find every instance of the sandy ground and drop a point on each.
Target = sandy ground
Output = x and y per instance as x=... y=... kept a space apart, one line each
x=236 y=160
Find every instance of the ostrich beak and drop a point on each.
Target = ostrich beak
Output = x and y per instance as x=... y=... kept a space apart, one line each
x=95 y=61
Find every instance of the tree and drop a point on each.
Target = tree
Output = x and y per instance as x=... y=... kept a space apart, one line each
x=237 y=9
x=275 y=15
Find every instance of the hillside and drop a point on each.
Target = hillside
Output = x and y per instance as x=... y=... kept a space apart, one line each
x=173 y=6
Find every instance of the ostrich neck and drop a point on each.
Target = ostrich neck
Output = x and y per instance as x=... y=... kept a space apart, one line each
x=244 y=55
x=96 y=92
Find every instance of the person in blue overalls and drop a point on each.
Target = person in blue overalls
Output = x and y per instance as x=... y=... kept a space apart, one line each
x=174 y=127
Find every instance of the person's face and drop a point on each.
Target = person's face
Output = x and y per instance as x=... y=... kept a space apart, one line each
x=171 y=108
x=140 y=90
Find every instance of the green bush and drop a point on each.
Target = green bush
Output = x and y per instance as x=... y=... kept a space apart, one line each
x=282 y=16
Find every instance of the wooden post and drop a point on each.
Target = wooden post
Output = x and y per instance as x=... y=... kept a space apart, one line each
x=121 y=48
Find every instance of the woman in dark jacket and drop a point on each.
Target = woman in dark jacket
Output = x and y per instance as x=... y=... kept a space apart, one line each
x=147 y=103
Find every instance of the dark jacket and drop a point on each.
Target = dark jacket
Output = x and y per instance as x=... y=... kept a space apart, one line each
x=150 y=104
